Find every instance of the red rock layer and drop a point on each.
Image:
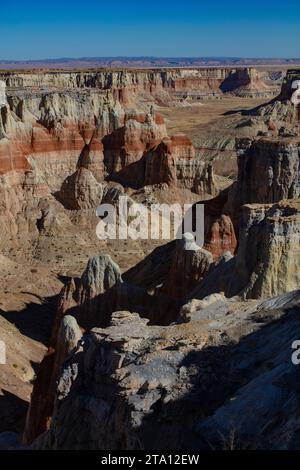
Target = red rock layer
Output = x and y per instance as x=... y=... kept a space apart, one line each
x=220 y=233
x=128 y=144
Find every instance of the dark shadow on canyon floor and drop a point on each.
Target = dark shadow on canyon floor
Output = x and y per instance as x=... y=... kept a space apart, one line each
x=35 y=320
x=12 y=412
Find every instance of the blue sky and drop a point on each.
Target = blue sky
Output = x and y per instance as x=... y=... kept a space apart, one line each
x=190 y=28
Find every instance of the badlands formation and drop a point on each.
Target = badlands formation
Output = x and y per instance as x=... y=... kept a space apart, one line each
x=148 y=344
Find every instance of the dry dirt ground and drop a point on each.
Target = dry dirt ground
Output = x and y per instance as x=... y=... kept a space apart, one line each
x=203 y=115
x=212 y=127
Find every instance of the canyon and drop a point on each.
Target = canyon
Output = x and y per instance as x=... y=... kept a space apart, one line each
x=148 y=344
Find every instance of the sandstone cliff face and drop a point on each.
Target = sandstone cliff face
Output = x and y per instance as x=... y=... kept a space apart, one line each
x=174 y=162
x=132 y=386
x=61 y=145
x=188 y=267
x=289 y=79
x=28 y=208
x=267 y=260
x=80 y=191
x=268 y=171
x=162 y=84
x=284 y=109
x=250 y=84
x=101 y=291
x=267 y=263
x=90 y=301
x=101 y=274
x=128 y=144
x=50 y=131
x=141 y=154
x=219 y=231
x=45 y=139
x=269 y=249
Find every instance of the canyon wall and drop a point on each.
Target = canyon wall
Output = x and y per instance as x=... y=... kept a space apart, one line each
x=135 y=386
x=162 y=84
x=268 y=170
x=133 y=355
x=58 y=149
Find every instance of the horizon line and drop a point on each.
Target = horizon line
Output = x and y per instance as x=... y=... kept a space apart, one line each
x=151 y=57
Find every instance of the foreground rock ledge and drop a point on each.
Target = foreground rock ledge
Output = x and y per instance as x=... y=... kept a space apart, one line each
x=133 y=386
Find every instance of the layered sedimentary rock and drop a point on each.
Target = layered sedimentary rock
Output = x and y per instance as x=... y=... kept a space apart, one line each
x=28 y=208
x=255 y=247
x=162 y=84
x=141 y=154
x=87 y=302
x=101 y=291
x=101 y=274
x=128 y=144
x=62 y=145
x=284 y=109
x=278 y=117
x=288 y=85
x=268 y=170
x=266 y=264
x=268 y=256
x=219 y=231
x=269 y=249
x=45 y=138
x=109 y=379
x=250 y=84
x=174 y=162
x=133 y=386
x=49 y=132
